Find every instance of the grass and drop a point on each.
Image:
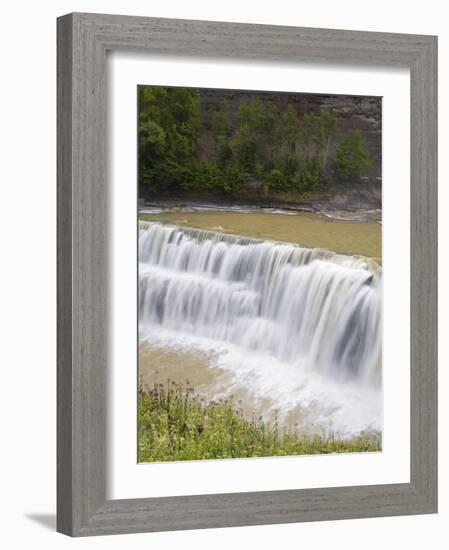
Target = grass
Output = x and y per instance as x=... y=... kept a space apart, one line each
x=175 y=423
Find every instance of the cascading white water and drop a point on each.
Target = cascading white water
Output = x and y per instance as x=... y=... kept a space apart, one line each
x=297 y=330
x=310 y=308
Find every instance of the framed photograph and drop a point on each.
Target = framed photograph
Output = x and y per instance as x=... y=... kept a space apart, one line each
x=247 y=279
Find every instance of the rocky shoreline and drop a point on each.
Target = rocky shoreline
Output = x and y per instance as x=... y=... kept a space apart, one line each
x=333 y=208
x=361 y=197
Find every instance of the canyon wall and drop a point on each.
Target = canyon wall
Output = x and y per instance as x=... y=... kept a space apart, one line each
x=363 y=113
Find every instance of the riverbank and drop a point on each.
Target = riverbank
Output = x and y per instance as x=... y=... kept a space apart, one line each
x=177 y=423
x=260 y=385
x=363 y=196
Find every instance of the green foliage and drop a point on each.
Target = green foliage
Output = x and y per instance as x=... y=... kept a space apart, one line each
x=234 y=178
x=253 y=134
x=204 y=175
x=290 y=128
x=174 y=423
x=221 y=126
x=254 y=141
x=169 y=125
x=275 y=180
x=310 y=174
x=351 y=157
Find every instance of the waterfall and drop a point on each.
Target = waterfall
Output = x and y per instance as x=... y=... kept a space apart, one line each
x=310 y=308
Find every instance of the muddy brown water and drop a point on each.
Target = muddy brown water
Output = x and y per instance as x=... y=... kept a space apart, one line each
x=306 y=229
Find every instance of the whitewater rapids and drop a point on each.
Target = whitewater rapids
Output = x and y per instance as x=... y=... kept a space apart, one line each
x=299 y=328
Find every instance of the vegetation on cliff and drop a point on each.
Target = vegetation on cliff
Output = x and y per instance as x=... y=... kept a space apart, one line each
x=276 y=150
x=174 y=423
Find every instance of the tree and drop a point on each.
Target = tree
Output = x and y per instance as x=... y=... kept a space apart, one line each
x=317 y=139
x=352 y=158
x=253 y=141
x=252 y=137
x=222 y=128
x=327 y=130
x=169 y=126
x=290 y=127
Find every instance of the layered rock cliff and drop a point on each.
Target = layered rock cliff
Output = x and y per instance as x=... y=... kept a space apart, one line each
x=351 y=112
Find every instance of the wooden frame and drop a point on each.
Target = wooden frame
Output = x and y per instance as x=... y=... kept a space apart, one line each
x=83 y=40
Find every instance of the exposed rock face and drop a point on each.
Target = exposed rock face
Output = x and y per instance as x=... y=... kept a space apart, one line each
x=363 y=113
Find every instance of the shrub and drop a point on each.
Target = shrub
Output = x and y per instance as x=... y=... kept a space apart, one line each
x=352 y=157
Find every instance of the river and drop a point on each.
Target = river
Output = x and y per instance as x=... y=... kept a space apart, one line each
x=281 y=311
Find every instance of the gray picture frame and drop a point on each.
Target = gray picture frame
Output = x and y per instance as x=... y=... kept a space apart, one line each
x=83 y=40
